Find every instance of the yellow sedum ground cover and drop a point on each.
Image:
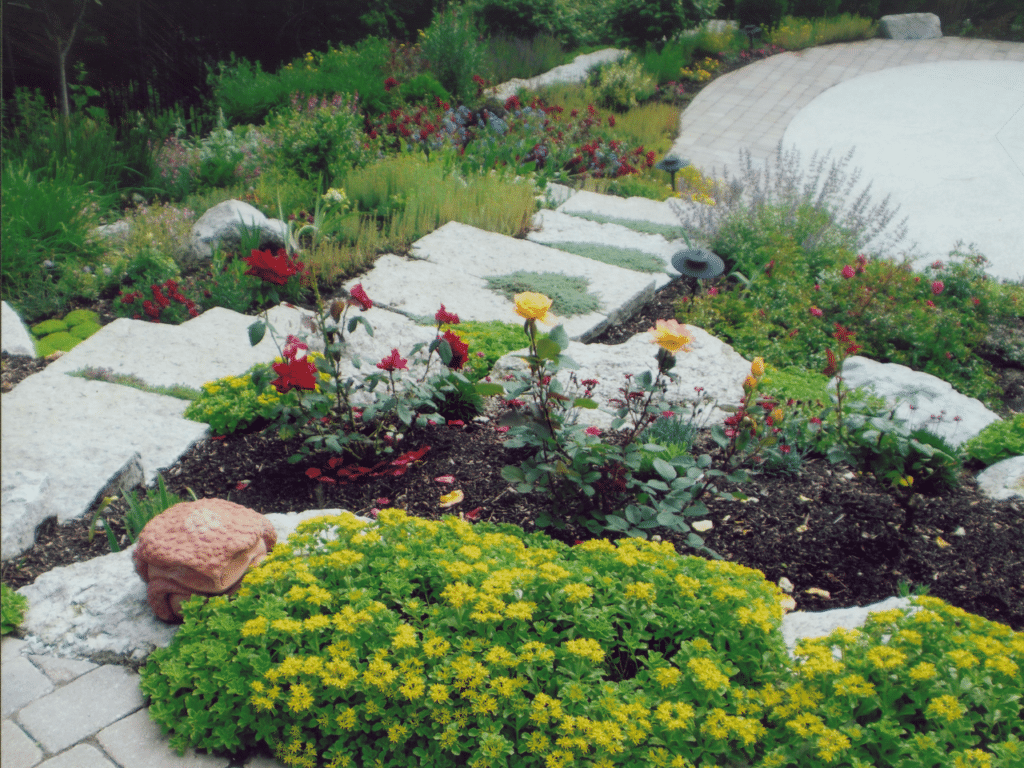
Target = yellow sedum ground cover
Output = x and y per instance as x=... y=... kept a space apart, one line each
x=441 y=643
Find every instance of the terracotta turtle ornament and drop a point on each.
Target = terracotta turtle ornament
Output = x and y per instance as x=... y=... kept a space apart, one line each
x=199 y=547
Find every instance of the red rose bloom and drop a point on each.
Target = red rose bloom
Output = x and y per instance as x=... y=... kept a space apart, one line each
x=272 y=268
x=295 y=373
x=359 y=295
x=460 y=350
x=444 y=317
x=393 y=362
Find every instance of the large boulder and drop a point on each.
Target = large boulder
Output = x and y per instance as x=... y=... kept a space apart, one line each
x=711 y=365
x=910 y=26
x=14 y=336
x=921 y=399
x=223 y=225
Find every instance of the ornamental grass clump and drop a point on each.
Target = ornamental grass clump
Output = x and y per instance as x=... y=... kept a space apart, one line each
x=446 y=643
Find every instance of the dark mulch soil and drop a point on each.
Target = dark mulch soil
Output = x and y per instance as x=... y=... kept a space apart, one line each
x=825 y=528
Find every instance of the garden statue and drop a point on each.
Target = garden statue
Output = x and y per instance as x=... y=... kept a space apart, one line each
x=199 y=547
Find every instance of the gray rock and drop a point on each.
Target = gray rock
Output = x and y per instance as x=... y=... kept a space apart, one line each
x=574 y=72
x=223 y=225
x=921 y=399
x=910 y=26
x=1004 y=479
x=800 y=625
x=116 y=231
x=97 y=609
x=632 y=208
x=15 y=338
x=710 y=364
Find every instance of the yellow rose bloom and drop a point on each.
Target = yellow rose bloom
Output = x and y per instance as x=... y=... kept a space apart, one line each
x=757 y=367
x=670 y=336
x=533 y=306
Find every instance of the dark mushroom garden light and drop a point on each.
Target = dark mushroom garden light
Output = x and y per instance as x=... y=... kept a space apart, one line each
x=698 y=264
x=672 y=165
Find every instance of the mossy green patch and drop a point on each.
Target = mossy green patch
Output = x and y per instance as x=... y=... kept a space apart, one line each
x=47 y=327
x=80 y=316
x=62 y=341
x=637 y=225
x=568 y=293
x=84 y=330
x=627 y=258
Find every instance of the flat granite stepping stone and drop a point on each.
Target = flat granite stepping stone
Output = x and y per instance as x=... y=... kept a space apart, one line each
x=618 y=210
x=555 y=228
x=451 y=264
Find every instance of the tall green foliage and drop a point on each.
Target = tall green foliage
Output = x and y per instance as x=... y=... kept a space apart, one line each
x=453 y=50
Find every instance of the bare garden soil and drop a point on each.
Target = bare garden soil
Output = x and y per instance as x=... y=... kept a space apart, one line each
x=825 y=528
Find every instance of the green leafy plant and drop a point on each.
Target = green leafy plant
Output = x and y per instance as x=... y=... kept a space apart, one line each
x=178 y=391
x=320 y=137
x=140 y=511
x=623 y=85
x=453 y=51
x=999 y=440
x=231 y=403
x=12 y=610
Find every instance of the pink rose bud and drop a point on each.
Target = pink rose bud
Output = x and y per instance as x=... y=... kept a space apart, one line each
x=446 y=479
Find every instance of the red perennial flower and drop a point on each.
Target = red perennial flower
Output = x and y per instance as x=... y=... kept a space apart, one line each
x=460 y=350
x=273 y=268
x=393 y=362
x=299 y=373
x=444 y=317
x=359 y=296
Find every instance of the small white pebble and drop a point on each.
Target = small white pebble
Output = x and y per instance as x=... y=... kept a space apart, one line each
x=960 y=531
x=786 y=585
x=702 y=525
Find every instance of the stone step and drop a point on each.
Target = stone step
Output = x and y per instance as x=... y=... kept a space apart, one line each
x=451 y=264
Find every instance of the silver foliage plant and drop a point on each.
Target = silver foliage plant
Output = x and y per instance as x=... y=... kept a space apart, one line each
x=783 y=186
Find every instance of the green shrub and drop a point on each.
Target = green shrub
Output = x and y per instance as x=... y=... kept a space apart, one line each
x=150 y=267
x=320 y=138
x=424 y=88
x=438 y=638
x=62 y=341
x=627 y=258
x=568 y=293
x=999 y=440
x=12 y=610
x=453 y=51
x=664 y=60
x=675 y=433
x=623 y=84
x=636 y=24
x=53 y=325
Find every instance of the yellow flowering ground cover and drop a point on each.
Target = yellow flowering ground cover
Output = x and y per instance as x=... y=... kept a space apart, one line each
x=440 y=643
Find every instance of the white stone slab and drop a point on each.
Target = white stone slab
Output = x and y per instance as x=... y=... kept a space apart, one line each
x=450 y=265
x=80 y=756
x=635 y=208
x=205 y=348
x=554 y=228
x=1004 y=479
x=573 y=72
x=19 y=751
x=710 y=364
x=922 y=400
x=80 y=435
x=138 y=741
